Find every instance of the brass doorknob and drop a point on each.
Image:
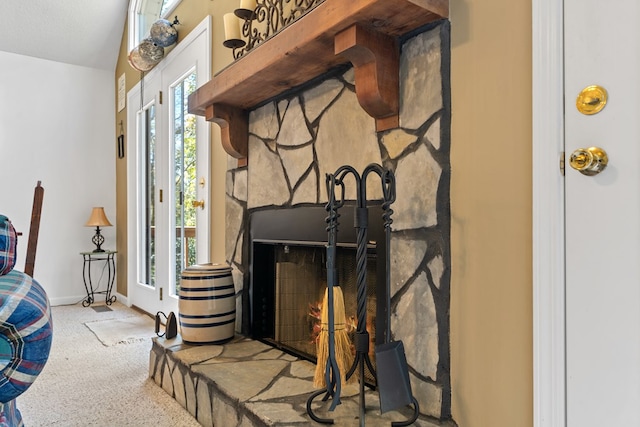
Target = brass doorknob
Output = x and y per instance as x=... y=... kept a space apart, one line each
x=589 y=161
x=198 y=203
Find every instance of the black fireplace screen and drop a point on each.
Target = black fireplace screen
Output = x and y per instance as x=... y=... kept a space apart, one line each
x=298 y=284
x=289 y=278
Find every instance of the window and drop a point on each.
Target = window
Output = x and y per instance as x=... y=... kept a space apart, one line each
x=184 y=174
x=148 y=181
x=143 y=13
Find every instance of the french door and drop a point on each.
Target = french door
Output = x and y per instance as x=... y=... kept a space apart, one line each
x=168 y=171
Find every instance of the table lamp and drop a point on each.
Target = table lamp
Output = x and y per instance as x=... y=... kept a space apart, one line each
x=98 y=219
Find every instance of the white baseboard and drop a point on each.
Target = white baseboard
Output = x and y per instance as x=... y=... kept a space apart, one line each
x=75 y=299
x=70 y=300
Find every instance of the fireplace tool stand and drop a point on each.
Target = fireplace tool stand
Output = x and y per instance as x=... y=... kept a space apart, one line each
x=393 y=351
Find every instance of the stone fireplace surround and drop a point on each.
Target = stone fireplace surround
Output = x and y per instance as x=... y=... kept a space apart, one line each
x=298 y=138
x=293 y=142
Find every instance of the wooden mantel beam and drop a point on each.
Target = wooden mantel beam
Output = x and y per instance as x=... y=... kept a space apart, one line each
x=305 y=50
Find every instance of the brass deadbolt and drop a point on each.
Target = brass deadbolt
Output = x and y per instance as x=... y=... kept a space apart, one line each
x=589 y=161
x=591 y=100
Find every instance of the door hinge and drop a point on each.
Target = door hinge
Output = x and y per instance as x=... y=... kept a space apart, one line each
x=161 y=294
x=562 y=163
x=160 y=97
x=160 y=195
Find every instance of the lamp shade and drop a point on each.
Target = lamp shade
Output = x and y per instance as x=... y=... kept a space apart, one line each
x=98 y=219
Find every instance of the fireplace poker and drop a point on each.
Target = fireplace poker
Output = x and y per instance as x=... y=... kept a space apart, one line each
x=338 y=357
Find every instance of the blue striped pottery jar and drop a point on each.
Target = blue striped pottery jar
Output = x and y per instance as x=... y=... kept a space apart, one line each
x=207 y=304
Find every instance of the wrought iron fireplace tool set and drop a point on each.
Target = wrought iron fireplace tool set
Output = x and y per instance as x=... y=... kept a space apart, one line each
x=393 y=376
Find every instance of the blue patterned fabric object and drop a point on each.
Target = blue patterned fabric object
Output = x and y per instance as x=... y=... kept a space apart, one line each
x=9 y=415
x=8 y=245
x=25 y=333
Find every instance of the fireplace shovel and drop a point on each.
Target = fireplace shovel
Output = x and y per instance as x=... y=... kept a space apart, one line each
x=394 y=385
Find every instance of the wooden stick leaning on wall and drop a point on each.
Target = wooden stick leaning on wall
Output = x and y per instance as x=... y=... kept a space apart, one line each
x=34 y=229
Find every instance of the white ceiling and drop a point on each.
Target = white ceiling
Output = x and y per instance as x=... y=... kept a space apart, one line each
x=80 y=32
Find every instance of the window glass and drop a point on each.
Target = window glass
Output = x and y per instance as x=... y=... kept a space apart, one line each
x=148 y=189
x=184 y=147
x=167 y=7
x=143 y=13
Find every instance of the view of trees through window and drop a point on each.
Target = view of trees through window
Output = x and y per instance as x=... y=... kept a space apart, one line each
x=149 y=250
x=186 y=180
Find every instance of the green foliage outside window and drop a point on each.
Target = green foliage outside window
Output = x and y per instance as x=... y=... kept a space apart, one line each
x=185 y=174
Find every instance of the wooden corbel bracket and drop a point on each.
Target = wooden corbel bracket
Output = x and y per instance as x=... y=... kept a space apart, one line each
x=375 y=57
x=234 y=129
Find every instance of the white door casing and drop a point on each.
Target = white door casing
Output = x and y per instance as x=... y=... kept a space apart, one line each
x=548 y=214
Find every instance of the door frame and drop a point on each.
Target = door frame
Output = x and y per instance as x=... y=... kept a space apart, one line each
x=548 y=232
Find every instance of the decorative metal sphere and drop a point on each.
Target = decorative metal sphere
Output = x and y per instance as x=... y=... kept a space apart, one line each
x=137 y=62
x=150 y=51
x=163 y=33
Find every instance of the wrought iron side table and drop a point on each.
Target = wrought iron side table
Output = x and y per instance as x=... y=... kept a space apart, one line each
x=108 y=257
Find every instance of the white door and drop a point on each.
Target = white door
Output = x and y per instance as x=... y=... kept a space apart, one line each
x=145 y=216
x=168 y=170
x=602 y=47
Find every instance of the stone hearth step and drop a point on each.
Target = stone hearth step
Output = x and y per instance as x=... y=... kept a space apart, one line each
x=247 y=383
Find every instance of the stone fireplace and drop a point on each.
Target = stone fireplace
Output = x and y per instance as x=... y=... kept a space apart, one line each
x=302 y=135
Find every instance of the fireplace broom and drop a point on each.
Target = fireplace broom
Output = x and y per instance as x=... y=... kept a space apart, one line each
x=333 y=345
x=344 y=357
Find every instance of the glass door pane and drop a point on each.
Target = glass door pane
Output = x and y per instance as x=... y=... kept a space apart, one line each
x=185 y=177
x=148 y=191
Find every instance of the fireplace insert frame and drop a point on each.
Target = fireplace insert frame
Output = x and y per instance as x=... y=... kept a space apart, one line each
x=304 y=226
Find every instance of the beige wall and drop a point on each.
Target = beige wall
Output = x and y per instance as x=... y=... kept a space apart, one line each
x=491 y=310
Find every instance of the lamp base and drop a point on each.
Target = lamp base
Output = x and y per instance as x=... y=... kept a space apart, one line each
x=98 y=240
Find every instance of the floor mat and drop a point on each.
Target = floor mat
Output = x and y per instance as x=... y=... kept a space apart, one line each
x=122 y=331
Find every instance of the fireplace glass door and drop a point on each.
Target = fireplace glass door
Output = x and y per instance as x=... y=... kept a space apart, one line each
x=289 y=286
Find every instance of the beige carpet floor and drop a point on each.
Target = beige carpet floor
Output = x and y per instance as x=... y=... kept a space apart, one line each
x=87 y=383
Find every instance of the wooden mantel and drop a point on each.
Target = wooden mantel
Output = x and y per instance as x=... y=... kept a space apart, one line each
x=363 y=32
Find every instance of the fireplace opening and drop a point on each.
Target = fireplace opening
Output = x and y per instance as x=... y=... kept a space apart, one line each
x=289 y=277
x=298 y=282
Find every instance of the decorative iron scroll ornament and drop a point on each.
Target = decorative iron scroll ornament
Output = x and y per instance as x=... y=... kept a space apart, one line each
x=262 y=19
